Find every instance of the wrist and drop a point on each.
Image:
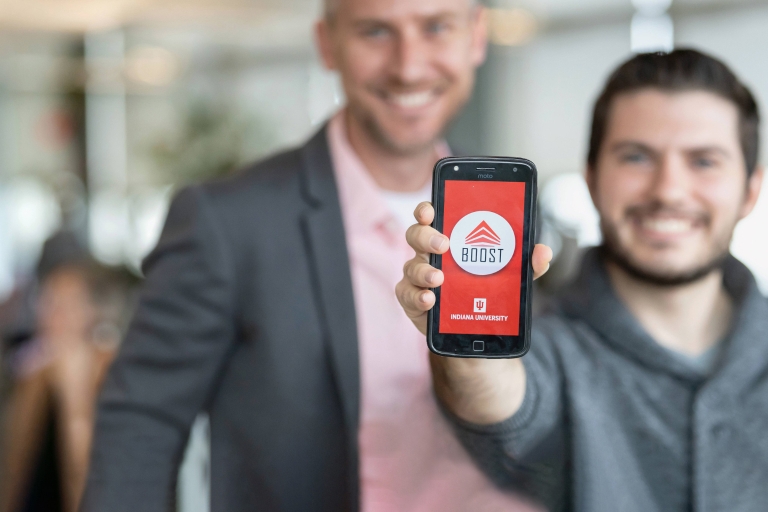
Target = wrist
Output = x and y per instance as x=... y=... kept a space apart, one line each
x=479 y=391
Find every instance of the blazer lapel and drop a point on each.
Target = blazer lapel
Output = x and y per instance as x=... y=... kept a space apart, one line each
x=323 y=230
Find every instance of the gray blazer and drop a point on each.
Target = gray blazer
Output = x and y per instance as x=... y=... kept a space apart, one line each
x=247 y=312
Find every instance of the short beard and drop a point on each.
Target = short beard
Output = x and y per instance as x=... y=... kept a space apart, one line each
x=612 y=251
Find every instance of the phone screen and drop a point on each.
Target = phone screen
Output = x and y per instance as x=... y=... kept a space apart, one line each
x=487 y=208
x=481 y=290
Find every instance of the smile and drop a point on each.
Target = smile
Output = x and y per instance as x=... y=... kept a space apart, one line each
x=668 y=226
x=411 y=100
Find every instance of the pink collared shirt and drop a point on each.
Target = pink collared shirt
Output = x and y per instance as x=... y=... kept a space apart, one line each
x=409 y=458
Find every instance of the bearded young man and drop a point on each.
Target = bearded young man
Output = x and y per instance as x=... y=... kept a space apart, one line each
x=268 y=302
x=647 y=388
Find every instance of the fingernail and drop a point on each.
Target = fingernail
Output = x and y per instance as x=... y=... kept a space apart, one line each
x=431 y=277
x=436 y=242
x=423 y=297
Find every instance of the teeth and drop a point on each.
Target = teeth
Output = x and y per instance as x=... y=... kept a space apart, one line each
x=412 y=100
x=667 y=226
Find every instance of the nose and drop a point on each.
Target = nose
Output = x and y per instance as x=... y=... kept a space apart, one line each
x=411 y=56
x=671 y=181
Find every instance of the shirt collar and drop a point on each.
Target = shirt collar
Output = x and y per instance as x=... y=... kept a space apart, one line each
x=361 y=203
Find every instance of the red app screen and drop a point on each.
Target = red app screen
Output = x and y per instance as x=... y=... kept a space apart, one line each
x=481 y=290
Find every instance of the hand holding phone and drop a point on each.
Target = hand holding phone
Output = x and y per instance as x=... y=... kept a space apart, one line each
x=481 y=391
x=414 y=289
x=487 y=208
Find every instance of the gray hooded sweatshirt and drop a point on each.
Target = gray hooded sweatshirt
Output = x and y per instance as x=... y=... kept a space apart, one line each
x=613 y=422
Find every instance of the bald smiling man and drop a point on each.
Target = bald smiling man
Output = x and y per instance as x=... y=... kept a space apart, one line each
x=269 y=303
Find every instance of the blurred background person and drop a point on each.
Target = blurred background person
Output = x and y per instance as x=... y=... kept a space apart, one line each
x=80 y=310
x=107 y=106
x=227 y=325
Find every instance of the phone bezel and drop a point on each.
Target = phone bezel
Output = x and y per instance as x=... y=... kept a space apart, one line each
x=496 y=347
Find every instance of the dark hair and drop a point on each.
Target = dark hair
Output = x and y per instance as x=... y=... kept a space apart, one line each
x=680 y=70
x=61 y=248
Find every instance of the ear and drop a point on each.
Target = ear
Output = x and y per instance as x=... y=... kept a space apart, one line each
x=324 y=40
x=754 y=185
x=479 y=35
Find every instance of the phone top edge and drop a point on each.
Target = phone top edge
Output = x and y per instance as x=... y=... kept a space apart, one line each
x=474 y=159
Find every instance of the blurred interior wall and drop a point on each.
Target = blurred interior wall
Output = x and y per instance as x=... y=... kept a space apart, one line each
x=532 y=100
x=535 y=100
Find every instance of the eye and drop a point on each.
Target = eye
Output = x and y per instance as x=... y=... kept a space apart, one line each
x=376 y=32
x=436 y=27
x=634 y=157
x=704 y=163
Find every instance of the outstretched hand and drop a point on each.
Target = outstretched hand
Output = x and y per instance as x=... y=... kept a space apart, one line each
x=413 y=291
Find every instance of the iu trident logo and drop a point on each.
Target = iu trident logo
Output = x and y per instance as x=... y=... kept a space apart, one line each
x=482 y=243
x=480 y=305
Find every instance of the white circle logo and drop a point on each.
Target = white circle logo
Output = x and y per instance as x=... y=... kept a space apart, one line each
x=482 y=243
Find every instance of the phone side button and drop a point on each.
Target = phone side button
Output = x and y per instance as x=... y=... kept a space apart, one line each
x=478 y=346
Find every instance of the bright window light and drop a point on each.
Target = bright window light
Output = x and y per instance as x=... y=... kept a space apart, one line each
x=652 y=33
x=750 y=245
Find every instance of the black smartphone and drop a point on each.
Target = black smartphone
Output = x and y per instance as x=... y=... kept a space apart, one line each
x=487 y=207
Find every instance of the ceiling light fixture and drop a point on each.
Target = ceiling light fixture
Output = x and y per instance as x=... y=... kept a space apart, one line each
x=151 y=65
x=652 y=29
x=511 y=27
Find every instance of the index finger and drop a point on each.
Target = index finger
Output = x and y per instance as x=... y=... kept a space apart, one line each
x=426 y=240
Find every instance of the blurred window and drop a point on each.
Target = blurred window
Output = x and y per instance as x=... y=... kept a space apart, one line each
x=29 y=214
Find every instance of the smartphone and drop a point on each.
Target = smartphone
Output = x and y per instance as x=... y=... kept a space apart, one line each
x=487 y=207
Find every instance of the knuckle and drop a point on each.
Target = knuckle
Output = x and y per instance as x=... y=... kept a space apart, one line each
x=403 y=292
x=424 y=234
x=413 y=302
x=406 y=301
x=411 y=272
x=420 y=273
x=400 y=292
x=410 y=233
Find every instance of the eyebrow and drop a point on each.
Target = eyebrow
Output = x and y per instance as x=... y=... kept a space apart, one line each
x=441 y=15
x=711 y=149
x=623 y=145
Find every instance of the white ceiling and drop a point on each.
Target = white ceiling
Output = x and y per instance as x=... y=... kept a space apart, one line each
x=561 y=12
x=275 y=20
